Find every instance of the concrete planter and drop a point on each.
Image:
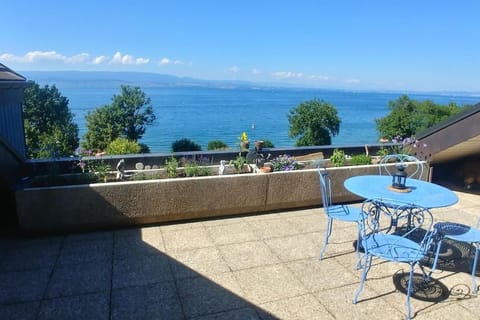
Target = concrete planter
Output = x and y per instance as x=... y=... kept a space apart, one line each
x=151 y=201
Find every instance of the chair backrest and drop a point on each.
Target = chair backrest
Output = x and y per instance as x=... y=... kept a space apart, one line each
x=403 y=220
x=326 y=188
x=413 y=166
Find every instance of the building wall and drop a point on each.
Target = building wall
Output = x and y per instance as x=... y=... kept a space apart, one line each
x=11 y=119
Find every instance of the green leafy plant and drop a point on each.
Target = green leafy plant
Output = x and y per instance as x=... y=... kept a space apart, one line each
x=360 y=159
x=92 y=166
x=171 y=166
x=185 y=144
x=123 y=146
x=102 y=170
x=216 y=145
x=193 y=169
x=238 y=162
x=284 y=162
x=338 y=158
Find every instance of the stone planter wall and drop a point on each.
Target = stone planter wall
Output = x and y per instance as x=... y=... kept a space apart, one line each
x=152 y=201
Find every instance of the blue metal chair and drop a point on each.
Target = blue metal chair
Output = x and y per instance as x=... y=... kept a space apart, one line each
x=413 y=166
x=463 y=233
x=340 y=212
x=408 y=241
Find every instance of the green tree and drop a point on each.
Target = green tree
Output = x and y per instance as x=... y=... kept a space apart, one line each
x=126 y=117
x=49 y=127
x=409 y=117
x=123 y=146
x=216 y=145
x=185 y=144
x=314 y=122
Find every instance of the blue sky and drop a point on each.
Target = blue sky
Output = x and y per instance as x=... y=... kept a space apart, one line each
x=360 y=45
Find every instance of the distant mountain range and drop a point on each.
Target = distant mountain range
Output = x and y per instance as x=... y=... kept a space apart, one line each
x=111 y=79
x=107 y=79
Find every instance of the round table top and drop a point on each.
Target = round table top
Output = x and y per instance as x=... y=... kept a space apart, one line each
x=422 y=193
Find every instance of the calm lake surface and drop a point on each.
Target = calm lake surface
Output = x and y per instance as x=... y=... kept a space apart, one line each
x=205 y=114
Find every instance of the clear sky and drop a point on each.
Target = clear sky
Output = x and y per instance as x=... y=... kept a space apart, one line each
x=349 y=44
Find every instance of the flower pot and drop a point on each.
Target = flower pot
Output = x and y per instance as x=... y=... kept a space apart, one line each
x=265 y=169
x=259 y=145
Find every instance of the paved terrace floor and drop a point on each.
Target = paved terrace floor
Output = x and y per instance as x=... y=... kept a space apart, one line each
x=253 y=267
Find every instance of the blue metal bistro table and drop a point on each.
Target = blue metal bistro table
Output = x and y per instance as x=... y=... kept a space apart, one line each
x=420 y=193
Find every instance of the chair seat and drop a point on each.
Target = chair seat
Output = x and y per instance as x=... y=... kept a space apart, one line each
x=458 y=231
x=392 y=247
x=345 y=213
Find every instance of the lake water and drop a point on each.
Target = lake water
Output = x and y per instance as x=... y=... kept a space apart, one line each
x=205 y=114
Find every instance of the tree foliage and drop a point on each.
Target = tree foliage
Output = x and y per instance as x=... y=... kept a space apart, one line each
x=185 y=144
x=314 y=122
x=123 y=146
x=126 y=117
x=409 y=117
x=216 y=145
x=49 y=127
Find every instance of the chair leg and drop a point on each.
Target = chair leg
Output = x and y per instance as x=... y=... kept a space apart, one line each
x=437 y=254
x=328 y=232
x=474 y=268
x=409 y=291
x=366 y=267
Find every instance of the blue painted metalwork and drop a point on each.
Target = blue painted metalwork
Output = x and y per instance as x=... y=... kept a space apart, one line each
x=345 y=213
x=407 y=243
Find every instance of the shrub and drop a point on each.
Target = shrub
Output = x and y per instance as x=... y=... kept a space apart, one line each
x=360 y=159
x=338 y=158
x=267 y=143
x=284 y=162
x=216 y=145
x=238 y=162
x=185 y=144
x=193 y=169
x=171 y=167
x=123 y=146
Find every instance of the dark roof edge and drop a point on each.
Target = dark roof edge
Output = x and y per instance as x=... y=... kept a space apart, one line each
x=450 y=121
x=4 y=68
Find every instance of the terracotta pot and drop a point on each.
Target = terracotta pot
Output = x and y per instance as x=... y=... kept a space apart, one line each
x=265 y=169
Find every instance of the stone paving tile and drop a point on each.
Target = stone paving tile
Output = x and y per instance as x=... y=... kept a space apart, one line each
x=99 y=250
x=80 y=279
x=247 y=255
x=141 y=271
x=307 y=223
x=31 y=254
x=269 y=283
x=186 y=239
x=319 y=275
x=192 y=263
x=154 y=301
x=203 y=296
x=23 y=286
x=296 y=308
x=238 y=314
x=274 y=228
x=135 y=247
x=300 y=246
x=232 y=233
x=20 y=311
x=88 y=307
x=86 y=236
x=338 y=301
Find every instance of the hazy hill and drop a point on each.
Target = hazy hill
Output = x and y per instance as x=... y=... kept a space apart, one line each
x=106 y=79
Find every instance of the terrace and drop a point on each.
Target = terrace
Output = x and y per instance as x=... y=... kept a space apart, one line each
x=261 y=266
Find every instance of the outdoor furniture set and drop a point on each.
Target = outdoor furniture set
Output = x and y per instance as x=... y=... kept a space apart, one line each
x=395 y=222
